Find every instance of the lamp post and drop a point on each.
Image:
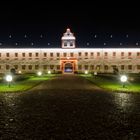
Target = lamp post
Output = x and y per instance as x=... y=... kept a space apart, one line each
x=9 y=79
x=123 y=79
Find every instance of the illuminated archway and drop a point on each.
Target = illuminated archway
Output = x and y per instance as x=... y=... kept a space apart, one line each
x=68 y=67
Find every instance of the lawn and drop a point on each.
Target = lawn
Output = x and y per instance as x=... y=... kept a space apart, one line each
x=113 y=83
x=25 y=83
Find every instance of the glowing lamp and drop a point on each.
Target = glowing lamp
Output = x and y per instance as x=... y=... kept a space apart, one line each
x=39 y=73
x=49 y=72
x=9 y=78
x=86 y=72
x=123 y=78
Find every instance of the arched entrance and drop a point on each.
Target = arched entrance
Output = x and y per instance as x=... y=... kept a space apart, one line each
x=68 y=67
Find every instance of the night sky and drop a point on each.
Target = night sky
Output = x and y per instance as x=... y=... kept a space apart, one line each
x=34 y=20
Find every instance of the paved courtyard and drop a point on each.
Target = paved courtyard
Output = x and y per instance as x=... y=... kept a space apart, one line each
x=69 y=108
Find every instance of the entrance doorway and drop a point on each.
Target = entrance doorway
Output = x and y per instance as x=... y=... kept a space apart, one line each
x=68 y=68
x=68 y=65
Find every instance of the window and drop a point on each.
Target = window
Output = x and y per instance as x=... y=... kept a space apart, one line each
x=138 y=67
x=23 y=54
x=106 y=54
x=106 y=67
x=86 y=67
x=65 y=43
x=51 y=54
x=7 y=54
x=23 y=67
x=58 y=54
x=71 y=44
x=64 y=54
x=0 y=66
x=51 y=66
x=91 y=54
x=114 y=54
x=58 y=67
x=36 y=67
x=122 y=67
x=30 y=54
x=92 y=67
x=16 y=54
x=122 y=53
x=36 y=54
x=138 y=53
x=98 y=54
x=0 y=54
x=86 y=53
x=16 y=66
x=71 y=54
x=45 y=54
x=7 y=67
x=130 y=67
x=44 y=67
x=79 y=67
x=129 y=54
x=30 y=67
x=79 y=53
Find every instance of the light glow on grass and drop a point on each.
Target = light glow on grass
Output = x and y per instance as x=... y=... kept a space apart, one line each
x=9 y=78
x=123 y=78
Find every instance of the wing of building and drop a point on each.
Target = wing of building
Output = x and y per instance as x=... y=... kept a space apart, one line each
x=70 y=59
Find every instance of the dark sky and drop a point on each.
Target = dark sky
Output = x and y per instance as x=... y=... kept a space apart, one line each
x=52 y=20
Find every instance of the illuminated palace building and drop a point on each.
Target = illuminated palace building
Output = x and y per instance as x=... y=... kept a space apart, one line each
x=70 y=59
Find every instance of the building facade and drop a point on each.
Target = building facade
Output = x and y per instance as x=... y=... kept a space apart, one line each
x=69 y=59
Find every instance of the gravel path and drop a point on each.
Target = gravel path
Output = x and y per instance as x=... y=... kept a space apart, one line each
x=69 y=108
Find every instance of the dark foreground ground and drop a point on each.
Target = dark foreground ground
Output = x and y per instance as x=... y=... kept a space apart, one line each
x=69 y=108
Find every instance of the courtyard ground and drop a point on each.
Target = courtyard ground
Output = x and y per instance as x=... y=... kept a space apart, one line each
x=69 y=107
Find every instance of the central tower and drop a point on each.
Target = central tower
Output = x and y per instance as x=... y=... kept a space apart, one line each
x=68 y=40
